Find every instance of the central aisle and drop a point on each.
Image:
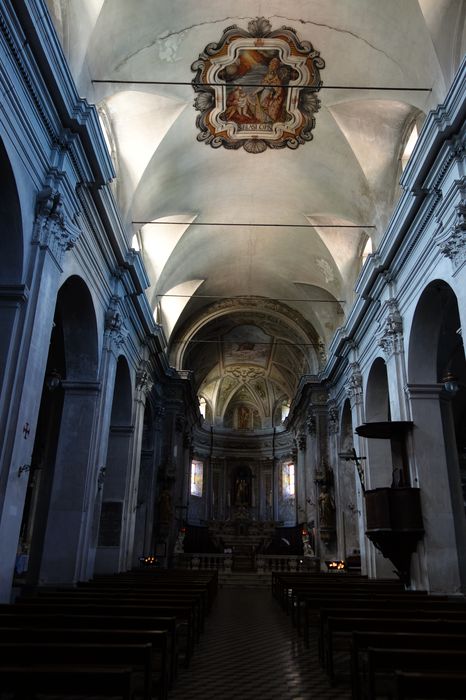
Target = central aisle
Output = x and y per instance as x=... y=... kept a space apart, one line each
x=249 y=651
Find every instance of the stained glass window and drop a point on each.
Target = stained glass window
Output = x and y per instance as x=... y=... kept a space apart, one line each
x=288 y=480
x=197 y=478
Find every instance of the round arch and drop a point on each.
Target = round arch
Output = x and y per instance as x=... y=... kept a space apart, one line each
x=75 y=313
x=437 y=389
x=377 y=409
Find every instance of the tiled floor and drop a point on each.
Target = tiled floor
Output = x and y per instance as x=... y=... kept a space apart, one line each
x=250 y=652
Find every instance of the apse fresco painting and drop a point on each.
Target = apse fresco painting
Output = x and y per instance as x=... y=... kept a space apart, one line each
x=257 y=89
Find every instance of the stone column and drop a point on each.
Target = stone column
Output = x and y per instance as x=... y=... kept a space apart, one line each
x=300 y=478
x=353 y=388
x=144 y=385
x=67 y=501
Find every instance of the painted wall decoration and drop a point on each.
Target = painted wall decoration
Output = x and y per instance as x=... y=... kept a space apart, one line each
x=257 y=88
x=246 y=344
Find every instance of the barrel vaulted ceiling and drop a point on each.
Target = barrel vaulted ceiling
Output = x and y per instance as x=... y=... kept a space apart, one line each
x=345 y=176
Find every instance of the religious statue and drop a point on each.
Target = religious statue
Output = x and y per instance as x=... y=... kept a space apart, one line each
x=241 y=491
x=179 y=544
x=326 y=509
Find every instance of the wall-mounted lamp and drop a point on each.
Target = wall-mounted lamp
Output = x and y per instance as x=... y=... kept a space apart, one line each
x=53 y=380
x=451 y=383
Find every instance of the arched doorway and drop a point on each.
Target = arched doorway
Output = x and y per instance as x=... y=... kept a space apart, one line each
x=52 y=526
x=109 y=556
x=437 y=391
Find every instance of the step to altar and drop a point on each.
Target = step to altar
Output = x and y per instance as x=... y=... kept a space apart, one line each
x=244 y=579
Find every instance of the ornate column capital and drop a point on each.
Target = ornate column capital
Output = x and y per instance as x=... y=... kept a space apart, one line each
x=333 y=423
x=353 y=386
x=452 y=240
x=52 y=229
x=144 y=379
x=114 y=324
x=391 y=338
x=311 y=423
x=301 y=441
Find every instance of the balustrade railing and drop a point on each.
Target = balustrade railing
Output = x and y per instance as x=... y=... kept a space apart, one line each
x=263 y=563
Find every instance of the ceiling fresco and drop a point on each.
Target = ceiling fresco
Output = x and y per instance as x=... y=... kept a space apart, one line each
x=253 y=258
x=257 y=88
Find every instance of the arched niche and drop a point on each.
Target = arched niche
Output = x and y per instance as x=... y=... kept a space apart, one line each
x=77 y=315
x=437 y=390
x=58 y=479
x=109 y=557
x=378 y=410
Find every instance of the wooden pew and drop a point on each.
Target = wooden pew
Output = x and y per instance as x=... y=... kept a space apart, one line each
x=362 y=641
x=67 y=655
x=337 y=628
x=98 y=622
x=430 y=686
x=383 y=663
x=26 y=681
x=183 y=614
x=414 y=607
x=48 y=637
x=310 y=606
x=112 y=597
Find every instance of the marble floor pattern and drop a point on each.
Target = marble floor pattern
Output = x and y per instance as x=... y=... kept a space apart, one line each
x=249 y=651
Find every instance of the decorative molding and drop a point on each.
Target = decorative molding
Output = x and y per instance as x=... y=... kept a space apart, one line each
x=391 y=338
x=245 y=374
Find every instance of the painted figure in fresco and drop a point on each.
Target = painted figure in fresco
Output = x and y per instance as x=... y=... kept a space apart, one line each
x=263 y=104
x=237 y=104
x=241 y=491
x=326 y=508
x=270 y=96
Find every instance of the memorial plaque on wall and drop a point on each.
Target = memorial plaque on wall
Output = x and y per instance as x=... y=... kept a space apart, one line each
x=110 y=524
